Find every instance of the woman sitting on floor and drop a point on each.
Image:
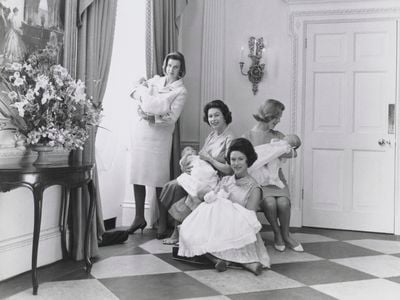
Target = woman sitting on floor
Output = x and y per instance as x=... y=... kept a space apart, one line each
x=225 y=225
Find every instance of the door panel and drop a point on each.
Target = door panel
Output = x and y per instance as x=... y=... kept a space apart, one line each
x=348 y=153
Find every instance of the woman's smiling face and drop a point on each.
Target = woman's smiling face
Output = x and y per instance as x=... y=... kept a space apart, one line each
x=238 y=162
x=216 y=119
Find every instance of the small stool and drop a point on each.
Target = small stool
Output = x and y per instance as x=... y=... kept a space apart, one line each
x=200 y=260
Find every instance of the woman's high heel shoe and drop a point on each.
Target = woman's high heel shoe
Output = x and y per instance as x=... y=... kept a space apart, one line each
x=133 y=228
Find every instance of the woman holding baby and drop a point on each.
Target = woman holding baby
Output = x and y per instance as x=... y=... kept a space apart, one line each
x=152 y=138
x=276 y=203
x=218 y=116
x=225 y=226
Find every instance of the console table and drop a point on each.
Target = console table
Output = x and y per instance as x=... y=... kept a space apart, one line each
x=37 y=179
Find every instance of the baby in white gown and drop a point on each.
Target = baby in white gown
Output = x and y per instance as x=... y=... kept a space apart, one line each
x=153 y=101
x=201 y=175
x=266 y=168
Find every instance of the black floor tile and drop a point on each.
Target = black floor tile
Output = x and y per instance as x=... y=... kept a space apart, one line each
x=162 y=286
x=319 y=272
x=302 y=293
x=332 y=250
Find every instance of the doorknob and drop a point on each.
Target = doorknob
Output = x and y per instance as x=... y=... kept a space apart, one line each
x=382 y=142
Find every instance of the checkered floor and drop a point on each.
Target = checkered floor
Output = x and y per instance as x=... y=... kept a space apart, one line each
x=335 y=265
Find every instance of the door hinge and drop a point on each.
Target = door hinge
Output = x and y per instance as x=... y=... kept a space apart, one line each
x=305 y=43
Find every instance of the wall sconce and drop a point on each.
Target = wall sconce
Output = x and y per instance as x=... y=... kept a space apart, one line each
x=256 y=70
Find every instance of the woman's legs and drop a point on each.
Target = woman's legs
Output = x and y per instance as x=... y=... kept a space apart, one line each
x=139 y=192
x=283 y=207
x=171 y=192
x=174 y=238
x=271 y=213
x=220 y=264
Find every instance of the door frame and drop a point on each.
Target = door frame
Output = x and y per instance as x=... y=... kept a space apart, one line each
x=298 y=21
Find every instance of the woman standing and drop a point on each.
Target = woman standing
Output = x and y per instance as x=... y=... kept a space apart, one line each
x=276 y=203
x=152 y=138
x=218 y=116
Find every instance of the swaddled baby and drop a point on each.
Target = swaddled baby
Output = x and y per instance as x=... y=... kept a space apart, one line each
x=153 y=100
x=201 y=175
x=266 y=168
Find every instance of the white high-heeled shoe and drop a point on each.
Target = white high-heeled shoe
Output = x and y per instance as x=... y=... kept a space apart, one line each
x=279 y=248
x=298 y=248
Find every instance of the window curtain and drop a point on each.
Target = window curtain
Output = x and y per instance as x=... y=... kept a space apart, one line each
x=162 y=30
x=95 y=33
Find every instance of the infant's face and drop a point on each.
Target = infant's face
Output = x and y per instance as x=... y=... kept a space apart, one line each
x=293 y=140
x=188 y=151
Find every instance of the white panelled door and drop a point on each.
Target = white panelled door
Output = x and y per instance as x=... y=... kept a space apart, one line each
x=348 y=142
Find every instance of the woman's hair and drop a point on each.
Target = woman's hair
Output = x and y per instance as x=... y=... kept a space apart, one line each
x=219 y=104
x=177 y=56
x=246 y=147
x=269 y=110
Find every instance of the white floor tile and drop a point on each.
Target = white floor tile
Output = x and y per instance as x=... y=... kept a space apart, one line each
x=156 y=247
x=235 y=281
x=372 y=289
x=208 y=298
x=388 y=247
x=130 y=265
x=67 y=290
x=379 y=265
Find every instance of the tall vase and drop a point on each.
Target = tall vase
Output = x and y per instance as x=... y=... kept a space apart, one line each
x=42 y=150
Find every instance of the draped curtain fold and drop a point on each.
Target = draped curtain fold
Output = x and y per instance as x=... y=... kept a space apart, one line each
x=95 y=33
x=162 y=30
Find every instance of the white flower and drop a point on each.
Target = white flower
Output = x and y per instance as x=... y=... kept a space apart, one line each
x=13 y=95
x=30 y=95
x=18 y=81
x=20 y=107
x=27 y=67
x=45 y=97
x=41 y=82
x=16 y=66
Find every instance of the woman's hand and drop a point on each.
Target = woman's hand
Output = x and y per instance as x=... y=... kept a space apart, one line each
x=186 y=167
x=144 y=116
x=143 y=81
x=206 y=157
x=291 y=154
x=206 y=191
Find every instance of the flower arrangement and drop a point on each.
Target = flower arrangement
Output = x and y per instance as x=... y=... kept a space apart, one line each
x=45 y=104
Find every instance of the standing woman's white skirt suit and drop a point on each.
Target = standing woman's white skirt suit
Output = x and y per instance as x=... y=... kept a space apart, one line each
x=151 y=143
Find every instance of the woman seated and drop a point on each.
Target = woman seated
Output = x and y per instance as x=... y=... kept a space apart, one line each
x=225 y=225
x=218 y=116
x=276 y=203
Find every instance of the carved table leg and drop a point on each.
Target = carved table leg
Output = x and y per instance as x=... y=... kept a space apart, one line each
x=64 y=219
x=92 y=196
x=37 y=199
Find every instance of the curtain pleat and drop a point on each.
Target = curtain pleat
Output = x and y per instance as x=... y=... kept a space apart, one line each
x=96 y=24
